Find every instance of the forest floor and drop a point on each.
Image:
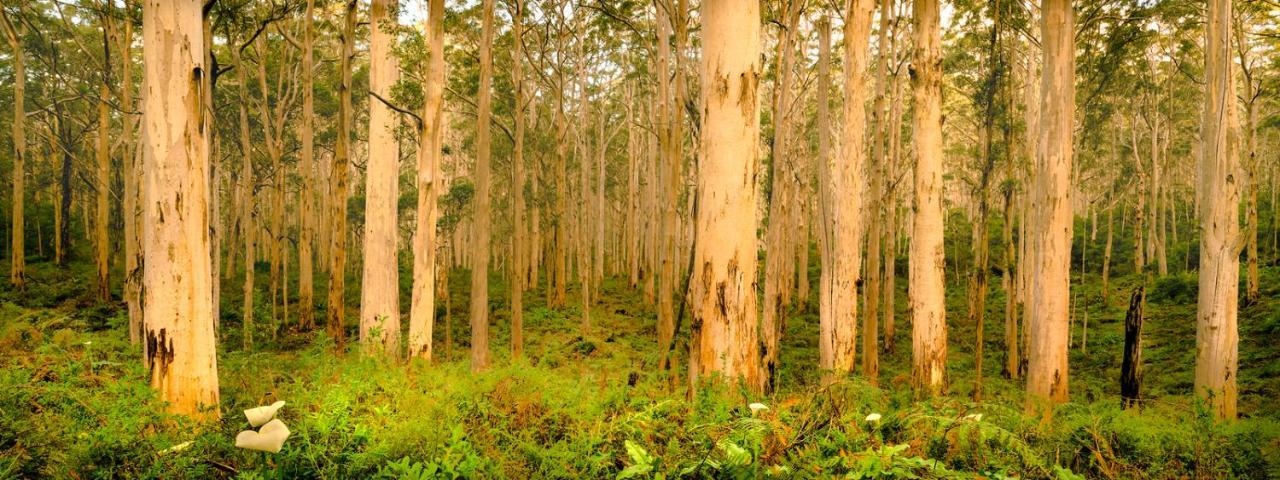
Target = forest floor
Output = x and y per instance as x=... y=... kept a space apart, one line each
x=74 y=400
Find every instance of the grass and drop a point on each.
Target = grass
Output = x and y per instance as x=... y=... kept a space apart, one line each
x=74 y=401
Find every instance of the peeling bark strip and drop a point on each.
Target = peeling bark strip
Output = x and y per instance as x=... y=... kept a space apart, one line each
x=177 y=283
x=927 y=288
x=1217 y=335
x=723 y=302
x=1048 y=309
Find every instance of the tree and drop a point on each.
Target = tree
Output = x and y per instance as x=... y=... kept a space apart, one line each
x=422 y=310
x=178 y=295
x=1048 y=306
x=380 y=288
x=927 y=288
x=481 y=230
x=723 y=294
x=18 y=251
x=336 y=311
x=838 y=327
x=103 y=171
x=1217 y=335
x=518 y=248
x=308 y=197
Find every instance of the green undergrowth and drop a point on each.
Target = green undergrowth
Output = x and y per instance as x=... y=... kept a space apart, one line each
x=74 y=402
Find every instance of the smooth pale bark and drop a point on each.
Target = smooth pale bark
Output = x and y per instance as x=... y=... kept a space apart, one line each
x=132 y=193
x=723 y=296
x=1012 y=353
x=1250 y=94
x=422 y=310
x=308 y=194
x=779 y=233
x=825 y=168
x=18 y=251
x=177 y=281
x=838 y=329
x=519 y=255
x=1048 y=306
x=102 y=187
x=273 y=130
x=481 y=234
x=926 y=281
x=380 y=285
x=875 y=185
x=336 y=309
x=1217 y=334
x=246 y=215
x=669 y=141
x=889 y=303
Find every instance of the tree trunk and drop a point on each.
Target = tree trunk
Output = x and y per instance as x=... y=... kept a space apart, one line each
x=780 y=206
x=480 y=238
x=723 y=295
x=102 y=187
x=246 y=221
x=336 y=310
x=1106 y=261
x=380 y=284
x=178 y=295
x=308 y=194
x=1217 y=335
x=18 y=251
x=132 y=194
x=519 y=271
x=1048 y=309
x=425 y=246
x=838 y=328
x=927 y=289
x=1131 y=369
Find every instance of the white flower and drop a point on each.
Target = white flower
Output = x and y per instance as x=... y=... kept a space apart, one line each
x=757 y=407
x=977 y=417
x=269 y=438
x=87 y=343
x=875 y=417
x=260 y=415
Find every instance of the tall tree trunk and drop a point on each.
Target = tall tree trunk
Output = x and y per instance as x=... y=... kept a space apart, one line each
x=780 y=205
x=336 y=310
x=425 y=248
x=927 y=288
x=888 y=305
x=102 y=187
x=18 y=250
x=519 y=271
x=723 y=296
x=246 y=221
x=1012 y=353
x=380 y=285
x=1217 y=335
x=132 y=193
x=826 y=171
x=1048 y=309
x=838 y=329
x=308 y=194
x=875 y=170
x=178 y=295
x=480 y=239
x=671 y=160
